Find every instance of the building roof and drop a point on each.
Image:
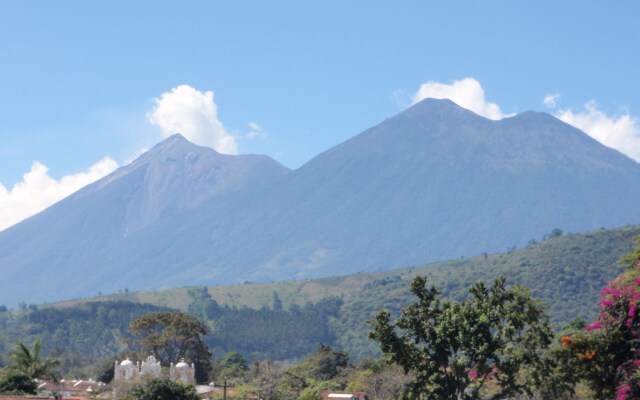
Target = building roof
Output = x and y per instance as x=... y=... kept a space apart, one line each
x=26 y=397
x=41 y=398
x=335 y=395
x=69 y=386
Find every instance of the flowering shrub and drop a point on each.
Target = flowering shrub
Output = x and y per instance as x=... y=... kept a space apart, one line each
x=606 y=353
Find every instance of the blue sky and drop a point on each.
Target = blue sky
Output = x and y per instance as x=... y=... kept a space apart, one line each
x=81 y=81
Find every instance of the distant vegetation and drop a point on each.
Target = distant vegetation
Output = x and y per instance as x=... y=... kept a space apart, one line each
x=285 y=321
x=268 y=332
x=77 y=335
x=88 y=332
x=494 y=342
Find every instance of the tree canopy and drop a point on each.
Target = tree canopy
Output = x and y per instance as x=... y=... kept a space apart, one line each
x=17 y=383
x=456 y=349
x=632 y=259
x=171 y=336
x=233 y=359
x=163 y=389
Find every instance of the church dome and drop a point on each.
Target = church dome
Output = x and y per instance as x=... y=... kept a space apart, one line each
x=182 y=364
x=126 y=362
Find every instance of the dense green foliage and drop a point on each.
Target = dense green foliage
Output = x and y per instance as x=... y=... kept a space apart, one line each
x=606 y=353
x=77 y=335
x=632 y=260
x=163 y=389
x=17 y=383
x=285 y=321
x=325 y=368
x=566 y=272
x=83 y=335
x=266 y=333
x=233 y=359
x=323 y=364
x=458 y=349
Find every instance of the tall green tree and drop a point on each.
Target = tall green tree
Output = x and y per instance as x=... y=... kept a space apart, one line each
x=457 y=349
x=29 y=362
x=171 y=336
x=325 y=363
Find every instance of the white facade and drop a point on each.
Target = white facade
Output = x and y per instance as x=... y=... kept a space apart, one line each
x=127 y=371
x=150 y=366
x=182 y=372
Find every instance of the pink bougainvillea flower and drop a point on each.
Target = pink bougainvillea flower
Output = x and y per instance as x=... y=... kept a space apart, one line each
x=594 y=326
x=622 y=392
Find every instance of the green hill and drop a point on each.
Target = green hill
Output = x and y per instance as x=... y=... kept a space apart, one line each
x=287 y=320
x=566 y=271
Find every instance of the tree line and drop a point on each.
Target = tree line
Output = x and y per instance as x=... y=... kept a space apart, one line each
x=494 y=343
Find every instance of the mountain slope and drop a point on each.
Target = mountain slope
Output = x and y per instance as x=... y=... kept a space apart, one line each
x=434 y=182
x=65 y=250
x=441 y=181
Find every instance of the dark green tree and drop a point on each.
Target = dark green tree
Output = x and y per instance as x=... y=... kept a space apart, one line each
x=17 y=383
x=455 y=349
x=202 y=305
x=325 y=363
x=163 y=389
x=233 y=359
x=29 y=362
x=277 y=303
x=171 y=336
x=105 y=370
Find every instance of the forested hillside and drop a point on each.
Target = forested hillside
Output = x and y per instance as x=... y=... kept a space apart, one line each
x=288 y=320
x=564 y=271
x=78 y=335
x=89 y=332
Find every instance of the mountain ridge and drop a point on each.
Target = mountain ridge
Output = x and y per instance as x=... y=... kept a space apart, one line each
x=74 y=235
x=433 y=182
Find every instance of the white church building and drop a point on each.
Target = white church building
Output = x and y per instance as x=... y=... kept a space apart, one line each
x=127 y=371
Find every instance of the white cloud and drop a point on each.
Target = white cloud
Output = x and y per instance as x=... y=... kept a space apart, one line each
x=467 y=93
x=38 y=190
x=193 y=114
x=255 y=131
x=620 y=132
x=550 y=100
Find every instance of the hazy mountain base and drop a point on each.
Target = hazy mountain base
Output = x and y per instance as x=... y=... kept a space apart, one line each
x=288 y=320
x=431 y=183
